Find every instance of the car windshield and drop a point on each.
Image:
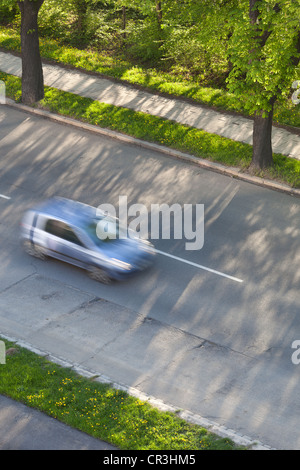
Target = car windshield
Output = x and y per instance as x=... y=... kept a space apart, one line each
x=104 y=230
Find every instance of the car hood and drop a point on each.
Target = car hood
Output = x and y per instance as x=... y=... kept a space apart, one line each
x=128 y=250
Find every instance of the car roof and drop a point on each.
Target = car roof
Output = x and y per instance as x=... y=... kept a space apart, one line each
x=72 y=212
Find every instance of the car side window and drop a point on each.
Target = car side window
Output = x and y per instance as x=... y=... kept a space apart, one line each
x=62 y=230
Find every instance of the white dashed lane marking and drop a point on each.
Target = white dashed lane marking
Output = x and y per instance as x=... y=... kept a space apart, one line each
x=199 y=266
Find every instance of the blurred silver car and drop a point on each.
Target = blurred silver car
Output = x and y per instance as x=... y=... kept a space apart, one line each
x=69 y=231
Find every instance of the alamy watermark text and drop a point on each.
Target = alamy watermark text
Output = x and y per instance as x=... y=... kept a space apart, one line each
x=161 y=221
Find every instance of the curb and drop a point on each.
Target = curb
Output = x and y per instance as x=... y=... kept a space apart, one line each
x=215 y=428
x=216 y=167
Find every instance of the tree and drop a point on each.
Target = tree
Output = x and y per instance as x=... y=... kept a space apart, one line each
x=264 y=51
x=32 y=72
x=262 y=126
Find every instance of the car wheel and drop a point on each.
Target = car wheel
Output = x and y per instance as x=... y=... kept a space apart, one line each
x=98 y=274
x=34 y=250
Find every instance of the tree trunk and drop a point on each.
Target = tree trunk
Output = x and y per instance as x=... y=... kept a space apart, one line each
x=159 y=17
x=32 y=72
x=253 y=13
x=124 y=22
x=262 y=155
x=81 y=9
x=158 y=13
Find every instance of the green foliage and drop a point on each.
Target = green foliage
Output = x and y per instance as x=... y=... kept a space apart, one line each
x=263 y=54
x=145 y=42
x=8 y=11
x=186 y=53
x=185 y=37
x=55 y=20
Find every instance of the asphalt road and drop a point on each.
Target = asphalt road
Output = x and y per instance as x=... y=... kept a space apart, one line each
x=189 y=336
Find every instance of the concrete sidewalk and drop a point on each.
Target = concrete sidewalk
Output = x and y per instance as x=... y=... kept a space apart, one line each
x=108 y=91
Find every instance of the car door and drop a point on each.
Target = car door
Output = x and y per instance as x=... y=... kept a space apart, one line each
x=65 y=244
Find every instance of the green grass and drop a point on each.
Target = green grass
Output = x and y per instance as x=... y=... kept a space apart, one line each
x=154 y=129
x=98 y=409
x=154 y=79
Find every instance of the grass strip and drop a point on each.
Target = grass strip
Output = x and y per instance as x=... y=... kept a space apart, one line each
x=155 y=129
x=98 y=409
x=284 y=113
